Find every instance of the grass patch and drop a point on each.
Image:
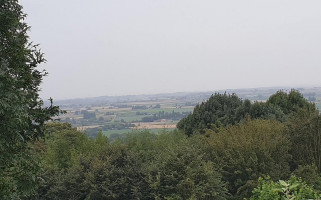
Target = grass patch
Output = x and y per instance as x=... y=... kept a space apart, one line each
x=122 y=131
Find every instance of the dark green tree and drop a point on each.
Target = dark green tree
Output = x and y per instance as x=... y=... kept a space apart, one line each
x=78 y=167
x=223 y=109
x=219 y=109
x=22 y=114
x=182 y=172
x=290 y=102
x=176 y=166
x=249 y=150
x=305 y=133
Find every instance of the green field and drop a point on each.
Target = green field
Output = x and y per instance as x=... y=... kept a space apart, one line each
x=122 y=131
x=130 y=115
x=110 y=132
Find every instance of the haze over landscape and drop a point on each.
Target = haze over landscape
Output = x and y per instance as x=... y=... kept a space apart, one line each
x=160 y=100
x=117 y=47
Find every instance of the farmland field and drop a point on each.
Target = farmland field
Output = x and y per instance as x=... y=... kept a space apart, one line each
x=123 y=114
x=124 y=117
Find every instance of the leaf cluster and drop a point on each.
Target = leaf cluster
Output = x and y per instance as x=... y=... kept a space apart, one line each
x=225 y=109
x=292 y=189
x=22 y=113
x=141 y=166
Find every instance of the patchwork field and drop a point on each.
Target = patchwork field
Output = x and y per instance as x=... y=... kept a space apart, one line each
x=124 y=117
x=123 y=114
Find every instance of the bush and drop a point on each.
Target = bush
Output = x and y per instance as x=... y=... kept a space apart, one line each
x=294 y=188
x=250 y=150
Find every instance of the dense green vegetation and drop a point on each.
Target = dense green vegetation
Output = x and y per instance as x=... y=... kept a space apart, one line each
x=249 y=150
x=22 y=114
x=141 y=166
x=224 y=163
x=294 y=188
x=165 y=115
x=225 y=109
x=228 y=148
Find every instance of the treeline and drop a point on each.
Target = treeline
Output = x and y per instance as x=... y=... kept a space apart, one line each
x=225 y=109
x=224 y=160
x=140 y=166
x=165 y=115
x=144 y=107
x=240 y=160
x=277 y=138
x=222 y=150
x=224 y=163
x=93 y=132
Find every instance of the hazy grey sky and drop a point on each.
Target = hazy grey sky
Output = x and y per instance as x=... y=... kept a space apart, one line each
x=117 y=47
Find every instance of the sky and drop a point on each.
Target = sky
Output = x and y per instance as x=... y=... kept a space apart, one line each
x=125 y=47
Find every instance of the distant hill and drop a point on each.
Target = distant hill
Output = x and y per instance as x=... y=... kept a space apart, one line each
x=254 y=94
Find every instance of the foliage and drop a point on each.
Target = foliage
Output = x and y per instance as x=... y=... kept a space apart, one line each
x=240 y=142
x=309 y=174
x=141 y=166
x=22 y=114
x=224 y=163
x=117 y=174
x=92 y=132
x=143 y=107
x=223 y=109
x=88 y=115
x=220 y=109
x=305 y=133
x=247 y=151
x=290 y=102
x=78 y=167
x=294 y=188
x=164 y=115
x=176 y=167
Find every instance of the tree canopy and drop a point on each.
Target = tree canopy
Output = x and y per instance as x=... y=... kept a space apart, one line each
x=22 y=114
x=294 y=188
x=225 y=109
x=240 y=142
